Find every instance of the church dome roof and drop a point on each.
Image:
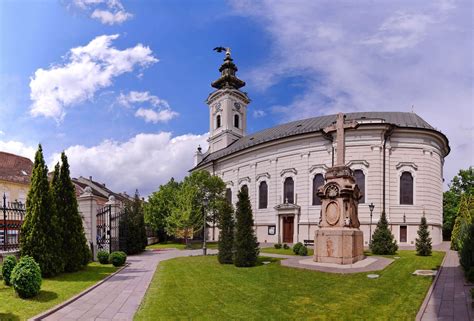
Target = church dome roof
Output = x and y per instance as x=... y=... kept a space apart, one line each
x=316 y=124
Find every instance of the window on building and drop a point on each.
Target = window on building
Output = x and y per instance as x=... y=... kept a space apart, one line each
x=228 y=195
x=236 y=121
x=263 y=195
x=360 y=181
x=318 y=181
x=218 y=121
x=406 y=188
x=245 y=189
x=289 y=191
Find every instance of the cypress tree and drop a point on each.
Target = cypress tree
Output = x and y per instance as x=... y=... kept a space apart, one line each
x=226 y=236
x=132 y=227
x=423 y=242
x=383 y=242
x=246 y=245
x=75 y=250
x=40 y=235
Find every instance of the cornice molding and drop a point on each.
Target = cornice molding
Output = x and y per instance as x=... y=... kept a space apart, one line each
x=288 y=170
x=406 y=164
x=259 y=176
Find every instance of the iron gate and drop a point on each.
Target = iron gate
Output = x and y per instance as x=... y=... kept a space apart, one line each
x=10 y=224
x=109 y=235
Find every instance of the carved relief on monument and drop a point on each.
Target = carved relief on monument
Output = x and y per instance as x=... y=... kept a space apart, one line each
x=332 y=213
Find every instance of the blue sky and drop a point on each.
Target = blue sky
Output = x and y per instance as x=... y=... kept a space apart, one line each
x=121 y=85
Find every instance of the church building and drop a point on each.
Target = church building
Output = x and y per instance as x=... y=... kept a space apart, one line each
x=397 y=159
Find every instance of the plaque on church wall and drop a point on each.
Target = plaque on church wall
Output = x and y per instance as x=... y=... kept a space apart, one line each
x=272 y=230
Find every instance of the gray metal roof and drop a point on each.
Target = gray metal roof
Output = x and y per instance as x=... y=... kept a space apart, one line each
x=315 y=124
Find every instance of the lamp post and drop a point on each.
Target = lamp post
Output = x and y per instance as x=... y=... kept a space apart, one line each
x=371 y=208
x=205 y=202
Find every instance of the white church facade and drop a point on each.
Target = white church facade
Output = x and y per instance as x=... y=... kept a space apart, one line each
x=397 y=159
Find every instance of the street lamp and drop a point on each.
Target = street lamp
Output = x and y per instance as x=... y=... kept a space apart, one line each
x=205 y=202
x=371 y=208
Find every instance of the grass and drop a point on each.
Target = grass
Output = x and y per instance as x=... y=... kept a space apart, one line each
x=199 y=288
x=53 y=291
x=180 y=246
x=282 y=251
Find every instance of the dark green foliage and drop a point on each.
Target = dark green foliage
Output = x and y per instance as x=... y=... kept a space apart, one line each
x=103 y=257
x=246 y=245
x=303 y=250
x=26 y=277
x=466 y=254
x=8 y=264
x=296 y=247
x=132 y=227
x=75 y=251
x=226 y=236
x=118 y=258
x=470 y=274
x=285 y=246
x=463 y=220
x=383 y=242
x=277 y=246
x=423 y=242
x=40 y=235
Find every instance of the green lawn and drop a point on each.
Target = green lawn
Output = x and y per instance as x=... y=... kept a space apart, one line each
x=282 y=251
x=180 y=246
x=199 y=288
x=53 y=291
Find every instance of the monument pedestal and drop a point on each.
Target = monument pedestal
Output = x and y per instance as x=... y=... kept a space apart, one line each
x=338 y=245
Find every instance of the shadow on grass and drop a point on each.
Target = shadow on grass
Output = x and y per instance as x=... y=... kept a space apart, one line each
x=9 y=317
x=44 y=296
x=90 y=273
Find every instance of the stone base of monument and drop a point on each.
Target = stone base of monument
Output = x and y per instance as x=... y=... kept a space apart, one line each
x=338 y=245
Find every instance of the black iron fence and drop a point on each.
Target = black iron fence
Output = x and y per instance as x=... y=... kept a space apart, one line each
x=10 y=224
x=109 y=236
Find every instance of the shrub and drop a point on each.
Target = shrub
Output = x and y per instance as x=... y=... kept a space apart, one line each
x=303 y=250
x=285 y=246
x=470 y=274
x=117 y=258
x=103 y=257
x=26 y=277
x=466 y=253
x=277 y=246
x=7 y=268
x=382 y=239
x=296 y=247
x=423 y=242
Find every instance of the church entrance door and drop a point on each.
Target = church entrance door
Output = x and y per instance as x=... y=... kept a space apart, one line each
x=288 y=229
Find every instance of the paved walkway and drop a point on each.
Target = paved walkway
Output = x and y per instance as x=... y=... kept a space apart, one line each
x=449 y=299
x=120 y=296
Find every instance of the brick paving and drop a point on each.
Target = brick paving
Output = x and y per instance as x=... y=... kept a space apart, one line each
x=449 y=298
x=119 y=297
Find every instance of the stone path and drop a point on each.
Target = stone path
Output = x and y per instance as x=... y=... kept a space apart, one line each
x=448 y=300
x=119 y=297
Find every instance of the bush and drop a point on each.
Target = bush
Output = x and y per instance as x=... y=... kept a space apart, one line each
x=103 y=257
x=117 y=258
x=382 y=239
x=423 y=242
x=285 y=246
x=26 y=277
x=277 y=246
x=470 y=274
x=7 y=268
x=296 y=247
x=303 y=250
x=466 y=253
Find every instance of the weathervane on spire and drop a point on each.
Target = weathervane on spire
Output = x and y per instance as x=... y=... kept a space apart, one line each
x=221 y=49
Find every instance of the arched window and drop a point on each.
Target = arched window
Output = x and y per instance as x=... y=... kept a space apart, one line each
x=406 y=188
x=236 y=121
x=360 y=181
x=288 y=191
x=218 y=121
x=245 y=189
x=263 y=195
x=228 y=195
x=318 y=181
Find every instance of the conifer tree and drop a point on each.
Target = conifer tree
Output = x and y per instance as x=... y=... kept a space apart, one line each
x=383 y=242
x=40 y=235
x=246 y=245
x=132 y=227
x=423 y=242
x=226 y=236
x=75 y=250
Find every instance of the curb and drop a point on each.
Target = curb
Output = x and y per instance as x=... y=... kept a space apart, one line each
x=76 y=297
x=423 y=306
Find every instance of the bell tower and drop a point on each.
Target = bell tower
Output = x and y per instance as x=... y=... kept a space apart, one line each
x=227 y=106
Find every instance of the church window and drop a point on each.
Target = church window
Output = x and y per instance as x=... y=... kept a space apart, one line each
x=288 y=190
x=236 y=121
x=245 y=189
x=228 y=195
x=360 y=181
x=318 y=181
x=263 y=195
x=406 y=188
x=218 y=121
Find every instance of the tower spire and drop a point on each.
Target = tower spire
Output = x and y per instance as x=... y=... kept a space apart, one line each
x=228 y=79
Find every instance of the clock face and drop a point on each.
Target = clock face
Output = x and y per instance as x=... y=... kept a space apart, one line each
x=237 y=106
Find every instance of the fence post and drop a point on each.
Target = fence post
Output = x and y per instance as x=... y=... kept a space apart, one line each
x=88 y=210
x=5 y=222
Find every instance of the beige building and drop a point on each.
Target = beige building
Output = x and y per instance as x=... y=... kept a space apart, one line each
x=15 y=173
x=397 y=159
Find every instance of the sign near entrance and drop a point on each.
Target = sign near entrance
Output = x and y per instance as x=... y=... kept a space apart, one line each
x=272 y=230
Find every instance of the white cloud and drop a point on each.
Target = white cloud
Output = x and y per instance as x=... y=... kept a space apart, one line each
x=106 y=11
x=88 y=69
x=257 y=113
x=373 y=56
x=160 y=111
x=144 y=162
x=18 y=148
x=153 y=116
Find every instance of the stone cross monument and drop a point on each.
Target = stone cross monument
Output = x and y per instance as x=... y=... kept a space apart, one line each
x=339 y=240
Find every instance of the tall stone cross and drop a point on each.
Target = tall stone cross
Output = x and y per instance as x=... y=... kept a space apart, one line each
x=339 y=127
